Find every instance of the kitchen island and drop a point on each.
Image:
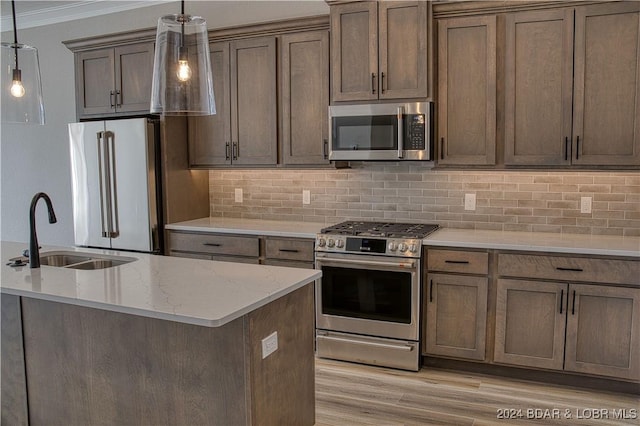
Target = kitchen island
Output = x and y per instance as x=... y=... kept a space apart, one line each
x=159 y=340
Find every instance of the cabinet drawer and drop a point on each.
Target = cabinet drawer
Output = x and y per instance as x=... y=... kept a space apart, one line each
x=214 y=244
x=568 y=268
x=467 y=262
x=289 y=249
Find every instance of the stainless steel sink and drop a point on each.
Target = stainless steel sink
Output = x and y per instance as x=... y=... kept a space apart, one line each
x=79 y=260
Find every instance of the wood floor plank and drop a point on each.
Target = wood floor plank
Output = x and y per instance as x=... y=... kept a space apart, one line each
x=353 y=394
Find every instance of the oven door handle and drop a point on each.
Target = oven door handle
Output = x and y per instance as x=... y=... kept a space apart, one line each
x=400 y=131
x=404 y=265
x=406 y=348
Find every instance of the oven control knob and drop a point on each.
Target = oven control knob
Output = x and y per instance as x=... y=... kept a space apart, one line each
x=340 y=243
x=321 y=242
x=413 y=248
x=331 y=243
x=393 y=246
x=402 y=247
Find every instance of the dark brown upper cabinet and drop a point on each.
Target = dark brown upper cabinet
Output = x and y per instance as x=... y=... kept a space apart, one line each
x=572 y=86
x=114 y=80
x=467 y=91
x=379 y=50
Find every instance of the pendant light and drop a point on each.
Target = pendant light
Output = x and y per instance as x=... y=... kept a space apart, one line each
x=21 y=86
x=182 y=81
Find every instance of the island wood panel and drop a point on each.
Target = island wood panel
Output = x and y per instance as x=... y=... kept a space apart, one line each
x=603 y=331
x=14 y=383
x=90 y=366
x=282 y=385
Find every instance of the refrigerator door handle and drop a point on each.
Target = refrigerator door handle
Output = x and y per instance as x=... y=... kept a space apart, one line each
x=104 y=184
x=112 y=193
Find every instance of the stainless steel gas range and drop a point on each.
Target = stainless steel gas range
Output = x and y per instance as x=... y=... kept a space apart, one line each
x=368 y=299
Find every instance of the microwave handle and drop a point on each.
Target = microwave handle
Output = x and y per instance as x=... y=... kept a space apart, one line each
x=400 y=131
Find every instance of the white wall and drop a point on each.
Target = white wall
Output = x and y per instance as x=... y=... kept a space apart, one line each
x=36 y=158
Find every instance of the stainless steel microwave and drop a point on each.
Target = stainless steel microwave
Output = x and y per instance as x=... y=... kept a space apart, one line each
x=390 y=131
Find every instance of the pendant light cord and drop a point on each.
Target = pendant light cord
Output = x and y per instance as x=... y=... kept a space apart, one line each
x=15 y=32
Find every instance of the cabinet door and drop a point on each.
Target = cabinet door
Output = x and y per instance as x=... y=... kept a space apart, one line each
x=403 y=37
x=305 y=97
x=95 y=80
x=254 y=125
x=134 y=69
x=467 y=90
x=210 y=136
x=354 y=51
x=539 y=87
x=456 y=316
x=606 y=122
x=530 y=323
x=603 y=331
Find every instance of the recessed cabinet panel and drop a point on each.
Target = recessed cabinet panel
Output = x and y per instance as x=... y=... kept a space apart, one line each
x=606 y=122
x=467 y=90
x=133 y=83
x=95 y=77
x=253 y=101
x=305 y=97
x=602 y=331
x=539 y=86
x=530 y=323
x=210 y=136
x=456 y=316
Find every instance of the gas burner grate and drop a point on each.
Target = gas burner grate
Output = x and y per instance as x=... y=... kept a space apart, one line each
x=381 y=229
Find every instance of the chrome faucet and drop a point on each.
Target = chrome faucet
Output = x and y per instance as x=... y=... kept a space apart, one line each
x=34 y=253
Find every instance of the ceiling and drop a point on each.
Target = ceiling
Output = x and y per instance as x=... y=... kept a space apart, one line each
x=32 y=13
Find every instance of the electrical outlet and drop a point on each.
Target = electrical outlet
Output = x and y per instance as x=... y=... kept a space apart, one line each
x=238 y=195
x=469 y=201
x=306 y=196
x=585 y=204
x=269 y=344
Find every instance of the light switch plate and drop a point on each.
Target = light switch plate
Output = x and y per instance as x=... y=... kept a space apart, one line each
x=469 y=201
x=269 y=344
x=238 y=195
x=585 y=204
x=306 y=196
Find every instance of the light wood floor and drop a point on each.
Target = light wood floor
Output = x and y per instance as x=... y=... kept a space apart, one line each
x=351 y=394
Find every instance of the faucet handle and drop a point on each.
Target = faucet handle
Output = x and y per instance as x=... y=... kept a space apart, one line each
x=25 y=253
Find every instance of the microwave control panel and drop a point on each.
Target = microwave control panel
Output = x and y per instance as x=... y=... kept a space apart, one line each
x=414 y=132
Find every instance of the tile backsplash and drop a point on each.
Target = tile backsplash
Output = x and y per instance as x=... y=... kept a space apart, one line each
x=541 y=201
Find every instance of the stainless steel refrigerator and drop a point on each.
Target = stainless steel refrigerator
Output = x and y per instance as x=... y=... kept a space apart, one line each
x=116 y=185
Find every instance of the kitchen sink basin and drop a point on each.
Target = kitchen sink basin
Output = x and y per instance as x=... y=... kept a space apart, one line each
x=79 y=260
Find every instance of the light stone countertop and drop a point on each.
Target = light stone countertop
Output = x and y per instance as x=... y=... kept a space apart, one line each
x=200 y=292
x=605 y=245
x=227 y=225
x=548 y=242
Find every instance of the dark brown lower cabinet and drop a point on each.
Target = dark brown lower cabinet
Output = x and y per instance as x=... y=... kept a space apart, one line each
x=583 y=328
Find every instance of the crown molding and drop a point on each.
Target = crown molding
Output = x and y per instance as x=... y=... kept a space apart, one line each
x=63 y=11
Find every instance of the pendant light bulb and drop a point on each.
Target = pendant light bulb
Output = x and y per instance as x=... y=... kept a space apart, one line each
x=184 y=70
x=17 y=89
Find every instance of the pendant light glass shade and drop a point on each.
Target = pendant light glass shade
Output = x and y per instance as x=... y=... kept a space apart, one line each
x=182 y=81
x=20 y=81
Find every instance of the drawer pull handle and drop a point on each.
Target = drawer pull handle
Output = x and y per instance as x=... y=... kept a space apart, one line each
x=289 y=250
x=560 y=268
x=573 y=307
x=212 y=244
x=459 y=262
x=430 y=290
x=561 y=299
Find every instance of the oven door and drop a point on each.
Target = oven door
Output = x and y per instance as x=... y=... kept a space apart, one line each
x=368 y=295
